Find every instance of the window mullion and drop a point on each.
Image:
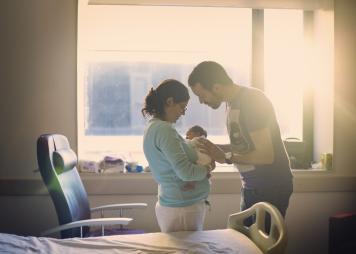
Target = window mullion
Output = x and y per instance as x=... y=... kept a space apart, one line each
x=257 y=71
x=308 y=101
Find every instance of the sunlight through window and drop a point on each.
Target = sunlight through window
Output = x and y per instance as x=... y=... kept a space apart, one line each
x=284 y=68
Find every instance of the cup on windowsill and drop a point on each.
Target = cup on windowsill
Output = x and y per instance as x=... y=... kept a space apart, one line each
x=326 y=161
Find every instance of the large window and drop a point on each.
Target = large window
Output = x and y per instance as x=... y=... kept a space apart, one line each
x=126 y=50
x=123 y=51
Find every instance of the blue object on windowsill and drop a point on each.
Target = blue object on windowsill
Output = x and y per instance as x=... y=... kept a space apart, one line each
x=134 y=168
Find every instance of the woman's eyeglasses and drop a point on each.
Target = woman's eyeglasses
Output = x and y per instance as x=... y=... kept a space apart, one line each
x=183 y=108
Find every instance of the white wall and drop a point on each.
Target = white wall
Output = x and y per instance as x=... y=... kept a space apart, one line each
x=38 y=95
x=37 y=78
x=345 y=87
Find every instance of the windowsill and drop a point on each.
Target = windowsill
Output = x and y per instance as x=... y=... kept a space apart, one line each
x=143 y=183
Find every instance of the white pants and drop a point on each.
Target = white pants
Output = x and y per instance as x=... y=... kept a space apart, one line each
x=187 y=218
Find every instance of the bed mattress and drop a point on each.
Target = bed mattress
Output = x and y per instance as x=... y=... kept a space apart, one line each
x=210 y=241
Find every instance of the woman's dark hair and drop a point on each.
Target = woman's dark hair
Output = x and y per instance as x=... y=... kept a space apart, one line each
x=209 y=73
x=157 y=98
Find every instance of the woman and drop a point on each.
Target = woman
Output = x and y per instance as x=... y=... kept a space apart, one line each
x=170 y=159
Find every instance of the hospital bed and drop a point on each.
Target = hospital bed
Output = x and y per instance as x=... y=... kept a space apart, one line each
x=236 y=238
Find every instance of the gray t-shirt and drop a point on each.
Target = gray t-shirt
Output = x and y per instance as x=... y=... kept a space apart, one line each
x=251 y=110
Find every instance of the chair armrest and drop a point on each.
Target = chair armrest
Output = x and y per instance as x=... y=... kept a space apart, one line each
x=90 y=222
x=118 y=207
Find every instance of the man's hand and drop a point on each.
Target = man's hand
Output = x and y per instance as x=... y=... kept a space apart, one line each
x=212 y=165
x=211 y=168
x=215 y=152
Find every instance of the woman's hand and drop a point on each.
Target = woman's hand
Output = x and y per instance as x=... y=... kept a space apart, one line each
x=215 y=152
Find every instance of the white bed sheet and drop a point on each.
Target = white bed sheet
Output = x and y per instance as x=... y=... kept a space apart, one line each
x=210 y=241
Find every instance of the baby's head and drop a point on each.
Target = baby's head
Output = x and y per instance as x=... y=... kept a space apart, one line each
x=192 y=135
x=196 y=131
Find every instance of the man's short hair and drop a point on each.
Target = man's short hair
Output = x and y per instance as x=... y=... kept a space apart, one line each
x=208 y=73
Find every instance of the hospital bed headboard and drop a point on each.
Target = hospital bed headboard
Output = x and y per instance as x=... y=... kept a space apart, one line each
x=270 y=243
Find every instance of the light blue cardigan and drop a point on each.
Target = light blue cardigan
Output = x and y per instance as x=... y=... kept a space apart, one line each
x=171 y=162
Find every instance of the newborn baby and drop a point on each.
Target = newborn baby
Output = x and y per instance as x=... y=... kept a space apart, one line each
x=192 y=137
x=203 y=159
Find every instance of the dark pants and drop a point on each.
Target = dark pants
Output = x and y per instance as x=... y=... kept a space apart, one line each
x=277 y=196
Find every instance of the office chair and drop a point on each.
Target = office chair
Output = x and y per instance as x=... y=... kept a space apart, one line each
x=57 y=165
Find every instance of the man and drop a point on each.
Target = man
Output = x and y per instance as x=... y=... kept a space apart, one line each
x=256 y=147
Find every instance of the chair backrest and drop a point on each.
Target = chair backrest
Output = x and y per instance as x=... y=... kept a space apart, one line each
x=57 y=164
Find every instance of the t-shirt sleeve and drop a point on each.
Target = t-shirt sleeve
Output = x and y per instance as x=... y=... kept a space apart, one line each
x=170 y=144
x=257 y=111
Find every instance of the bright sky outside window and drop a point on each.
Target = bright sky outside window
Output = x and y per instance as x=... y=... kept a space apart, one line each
x=284 y=68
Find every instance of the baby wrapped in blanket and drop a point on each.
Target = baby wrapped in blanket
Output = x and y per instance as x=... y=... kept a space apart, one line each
x=192 y=137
